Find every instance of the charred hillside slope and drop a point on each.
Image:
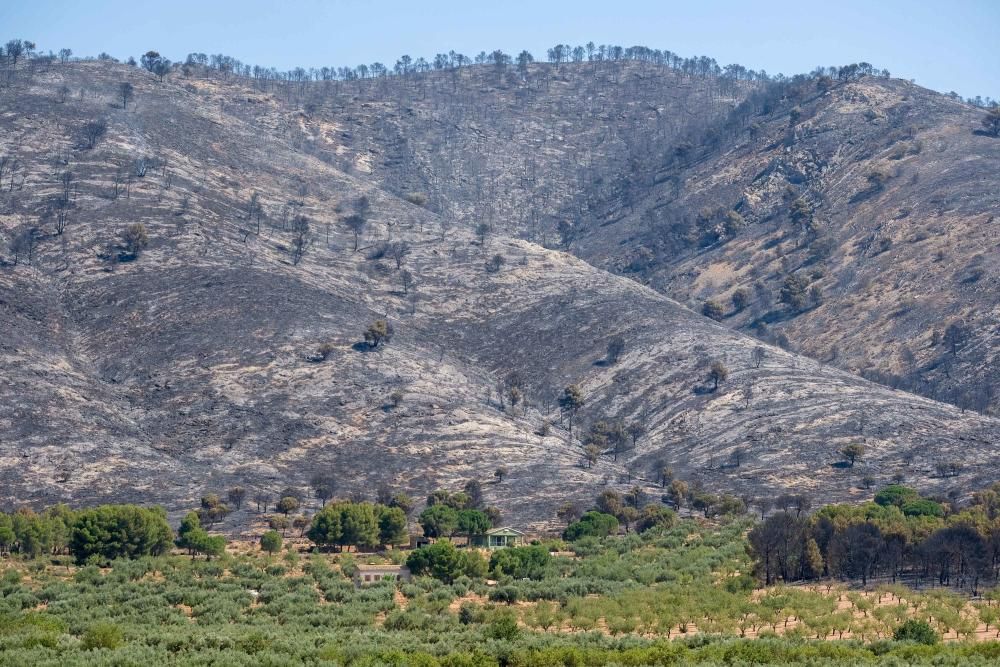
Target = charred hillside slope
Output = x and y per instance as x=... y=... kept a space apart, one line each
x=877 y=195
x=858 y=227
x=187 y=306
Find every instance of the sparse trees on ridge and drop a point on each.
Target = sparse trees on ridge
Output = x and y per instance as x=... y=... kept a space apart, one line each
x=794 y=292
x=954 y=336
x=14 y=49
x=323 y=487
x=153 y=62
x=399 y=250
x=22 y=244
x=212 y=509
x=523 y=60
x=740 y=299
x=261 y=499
x=747 y=393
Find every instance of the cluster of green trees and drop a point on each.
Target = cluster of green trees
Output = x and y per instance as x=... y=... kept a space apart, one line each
x=458 y=513
x=445 y=562
x=612 y=510
x=196 y=540
x=366 y=525
x=591 y=524
x=531 y=562
x=105 y=532
x=129 y=531
x=899 y=534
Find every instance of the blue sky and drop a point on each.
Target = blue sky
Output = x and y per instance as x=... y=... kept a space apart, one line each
x=942 y=45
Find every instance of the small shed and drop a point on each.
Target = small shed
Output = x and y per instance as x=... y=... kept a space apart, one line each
x=373 y=574
x=498 y=538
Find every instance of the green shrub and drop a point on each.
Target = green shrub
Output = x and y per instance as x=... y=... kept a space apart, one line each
x=591 y=524
x=348 y=565
x=521 y=562
x=11 y=579
x=923 y=507
x=503 y=626
x=102 y=635
x=254 y=643
x=469 y=613
x=504 y=594
x=895 y=494
x=916 y=631
x=444 y=562
x=402 y=620
x=655 y=516
x=742 y=583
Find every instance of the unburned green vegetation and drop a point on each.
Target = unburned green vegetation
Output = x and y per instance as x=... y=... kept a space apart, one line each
x=677 y=593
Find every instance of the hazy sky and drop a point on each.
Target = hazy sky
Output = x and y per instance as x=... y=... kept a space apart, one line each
x=942 y=45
